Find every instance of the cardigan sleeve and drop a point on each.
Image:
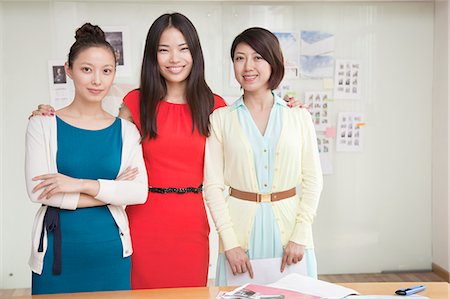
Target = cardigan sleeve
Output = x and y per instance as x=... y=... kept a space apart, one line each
x=310 y=179
x=214 y=185
x=39 y=160
x=127 y=192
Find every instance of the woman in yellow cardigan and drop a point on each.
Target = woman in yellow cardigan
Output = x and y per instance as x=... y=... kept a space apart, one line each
x=262 y=149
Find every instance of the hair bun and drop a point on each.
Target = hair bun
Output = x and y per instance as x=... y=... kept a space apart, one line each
x=90 y=32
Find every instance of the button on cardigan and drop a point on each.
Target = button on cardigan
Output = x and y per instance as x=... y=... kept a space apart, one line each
x=229 y=161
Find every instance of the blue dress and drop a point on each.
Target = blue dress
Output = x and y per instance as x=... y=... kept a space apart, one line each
x=91 y=248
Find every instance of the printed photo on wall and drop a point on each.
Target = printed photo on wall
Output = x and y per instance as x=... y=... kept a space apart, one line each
x=285 y=88
x=347 y=78
x=60 y=85
x=319 y=106
x=59 y=74
x=316 y=54
x=289 y=42
x=349 y=136
x=118 y=37
x=324 y=145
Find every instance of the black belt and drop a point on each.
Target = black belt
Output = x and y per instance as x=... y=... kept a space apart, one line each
x=199 y=189
x=52 y=224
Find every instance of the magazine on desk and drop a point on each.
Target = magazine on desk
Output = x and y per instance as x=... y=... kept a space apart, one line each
x=254 y=291
x=292 y=286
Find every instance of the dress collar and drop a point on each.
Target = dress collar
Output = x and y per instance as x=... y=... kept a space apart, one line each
x=239 y=103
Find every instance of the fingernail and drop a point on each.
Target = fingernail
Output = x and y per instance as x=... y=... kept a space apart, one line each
x=52 y=114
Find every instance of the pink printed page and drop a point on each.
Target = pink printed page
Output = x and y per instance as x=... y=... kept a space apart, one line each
x=264 y=290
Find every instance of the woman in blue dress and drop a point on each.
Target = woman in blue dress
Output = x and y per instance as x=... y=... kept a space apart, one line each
x=83 y=166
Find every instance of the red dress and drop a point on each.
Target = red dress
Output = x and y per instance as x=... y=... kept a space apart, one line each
x=170 y=232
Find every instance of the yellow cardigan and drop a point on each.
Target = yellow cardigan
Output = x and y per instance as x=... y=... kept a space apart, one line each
x=229 y=162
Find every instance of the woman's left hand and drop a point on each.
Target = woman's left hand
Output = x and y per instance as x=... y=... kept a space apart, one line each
x=54 y=183
x=293 y=253
x=292 y=102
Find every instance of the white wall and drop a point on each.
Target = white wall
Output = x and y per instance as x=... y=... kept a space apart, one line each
x=441 y=138
x=2 y=125
x=376 y=199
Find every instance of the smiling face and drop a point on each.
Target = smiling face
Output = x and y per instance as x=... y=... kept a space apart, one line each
x=174 y=56
x=92 y=72
x=250 y=69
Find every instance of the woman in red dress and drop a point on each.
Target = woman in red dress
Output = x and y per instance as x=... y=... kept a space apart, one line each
x=171 y=110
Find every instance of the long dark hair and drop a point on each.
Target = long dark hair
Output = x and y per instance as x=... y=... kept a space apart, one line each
x=153 y=87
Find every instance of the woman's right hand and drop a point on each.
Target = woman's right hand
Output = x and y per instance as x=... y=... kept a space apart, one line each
x=239 y=261
x=45 y=110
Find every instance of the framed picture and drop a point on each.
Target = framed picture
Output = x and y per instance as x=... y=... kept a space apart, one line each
x=60 y=85
x=59 y=74
x=118 y=37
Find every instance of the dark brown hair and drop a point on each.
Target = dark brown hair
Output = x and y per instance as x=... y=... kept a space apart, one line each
x=88 y=36
x=153 y=87
x=266 y=44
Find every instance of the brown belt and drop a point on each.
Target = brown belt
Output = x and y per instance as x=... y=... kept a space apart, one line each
x=262 y=197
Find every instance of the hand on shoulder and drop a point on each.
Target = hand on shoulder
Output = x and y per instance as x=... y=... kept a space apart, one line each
x=44 y=110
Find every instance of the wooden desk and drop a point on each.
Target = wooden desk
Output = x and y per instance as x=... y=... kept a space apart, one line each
x=435 y=290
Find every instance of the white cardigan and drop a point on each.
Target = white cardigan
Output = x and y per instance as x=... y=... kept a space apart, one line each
x=40 y=158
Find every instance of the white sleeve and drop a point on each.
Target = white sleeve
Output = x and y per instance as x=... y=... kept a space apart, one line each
x=127 y=192
x=39 y=160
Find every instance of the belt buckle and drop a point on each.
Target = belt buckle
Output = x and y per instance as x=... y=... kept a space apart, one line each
x=265 y=197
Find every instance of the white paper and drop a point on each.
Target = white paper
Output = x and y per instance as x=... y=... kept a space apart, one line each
x=347 y=79
x=350 y=132
x=307 y=285
x=324 y=146
x=317 y=54
x=60 y=85
x=265 y=271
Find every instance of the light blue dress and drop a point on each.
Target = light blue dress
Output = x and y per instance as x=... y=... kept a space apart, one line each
x=265 y=240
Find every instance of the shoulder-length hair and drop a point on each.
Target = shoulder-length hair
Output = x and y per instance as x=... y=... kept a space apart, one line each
x=153 y=86
x=266 y=44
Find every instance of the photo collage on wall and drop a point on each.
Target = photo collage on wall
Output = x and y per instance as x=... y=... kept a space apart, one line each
x=341 y=80
x=319 y=104
x=316 y=54
x=347 y=79
x=349 y=135
x=324 y=145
